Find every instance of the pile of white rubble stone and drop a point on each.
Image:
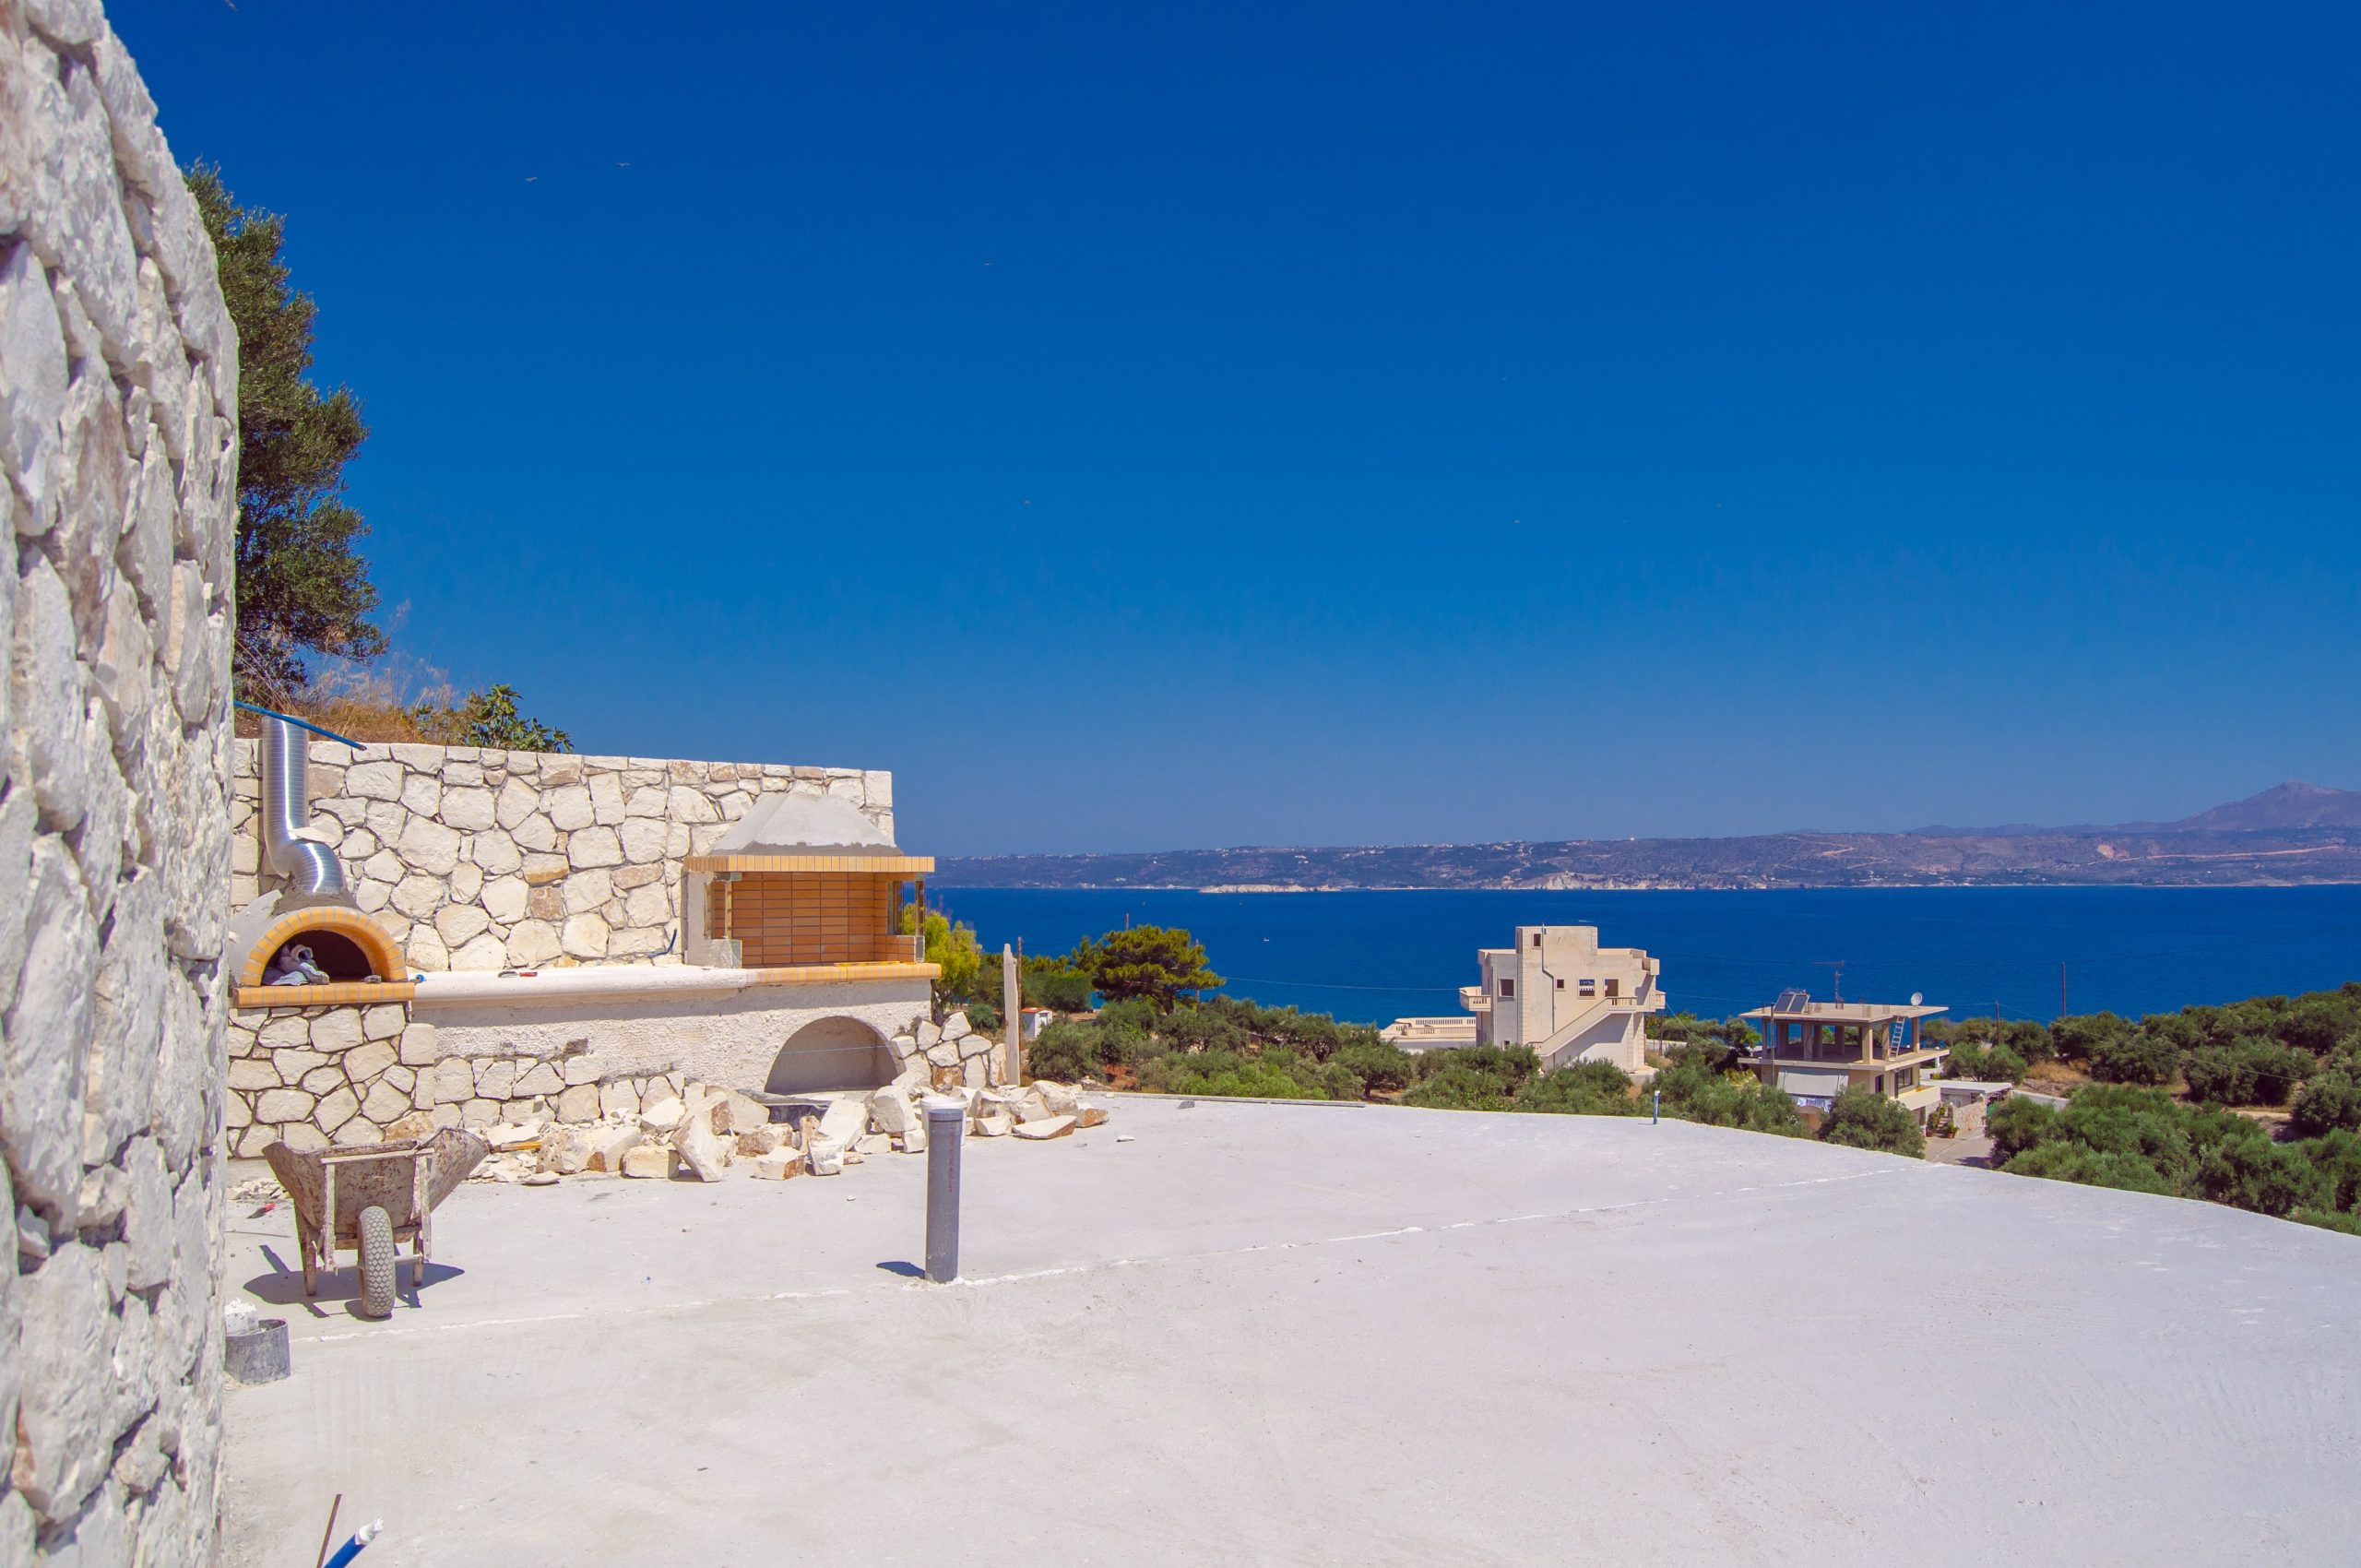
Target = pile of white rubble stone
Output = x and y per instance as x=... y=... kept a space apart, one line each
x=706 y=1130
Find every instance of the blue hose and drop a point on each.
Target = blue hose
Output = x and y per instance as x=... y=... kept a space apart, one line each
x=299 y=724
x=352 y=1549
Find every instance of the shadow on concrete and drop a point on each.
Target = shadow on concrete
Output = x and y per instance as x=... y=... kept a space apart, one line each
x=906 y=1270
x=285 y=1287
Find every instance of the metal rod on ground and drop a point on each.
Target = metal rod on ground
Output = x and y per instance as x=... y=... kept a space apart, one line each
x=947 y=1127
x=1656 y=1105
x=327 y=1536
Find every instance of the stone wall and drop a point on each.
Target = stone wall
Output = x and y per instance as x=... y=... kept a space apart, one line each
x=343 y=1074
x=118 y=437
x=476 y=859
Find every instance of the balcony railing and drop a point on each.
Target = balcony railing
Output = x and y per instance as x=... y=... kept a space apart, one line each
x=1475 y=999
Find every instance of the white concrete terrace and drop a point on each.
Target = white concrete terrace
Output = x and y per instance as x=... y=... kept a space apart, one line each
x=1330 y=1333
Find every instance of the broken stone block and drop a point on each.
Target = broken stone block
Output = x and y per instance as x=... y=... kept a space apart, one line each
x=664 y=1115
x=1051 y=1127
x=608 y=1145
x=778 y=1165
x=1031 y=1107
x=740 y=1113
x=825 y=1157
x=567 y=1154
x=994 y=1124
x=1089 y=1115
x=417 y=1124
x=702 y=1152
x=579 y=1103
x=758 y=1143
x=843 y=1120
x=1057 y=1097
x=914 y=1141
x=872 y=1143
x=647 y=1162
x=891 y=1112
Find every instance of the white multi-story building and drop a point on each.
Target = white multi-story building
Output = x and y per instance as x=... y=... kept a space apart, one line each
x=1567 y=999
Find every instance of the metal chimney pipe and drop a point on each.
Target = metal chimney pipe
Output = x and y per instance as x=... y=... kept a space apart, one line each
x=287 y=810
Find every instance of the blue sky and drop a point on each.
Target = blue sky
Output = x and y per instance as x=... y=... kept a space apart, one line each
x=1376 y=422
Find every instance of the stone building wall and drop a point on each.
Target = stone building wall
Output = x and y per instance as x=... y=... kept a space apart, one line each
x=481 y=860
x=313 y=1076
x=118 y=438
x=477 y=859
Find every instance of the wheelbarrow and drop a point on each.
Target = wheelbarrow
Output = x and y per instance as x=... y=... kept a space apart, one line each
x=367 y=1198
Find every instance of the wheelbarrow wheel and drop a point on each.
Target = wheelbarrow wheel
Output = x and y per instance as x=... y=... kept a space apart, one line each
x=376 y=1263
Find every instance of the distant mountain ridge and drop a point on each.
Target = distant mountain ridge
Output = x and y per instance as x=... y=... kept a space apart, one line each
x=2293 y=833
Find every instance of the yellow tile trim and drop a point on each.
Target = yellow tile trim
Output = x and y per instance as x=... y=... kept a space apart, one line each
x=341 y=994
x=822 y=974
x=882 y=865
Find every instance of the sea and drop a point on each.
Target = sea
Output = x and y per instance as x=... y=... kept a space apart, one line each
x=2011 y=952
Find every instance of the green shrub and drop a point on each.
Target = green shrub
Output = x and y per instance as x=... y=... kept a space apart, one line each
x=2076 y=1037
x=1864 y=1119
x=2018 y=1125
x=1226 y=1073
x=2071 y=1162
x=2132 y=1056
x=984 y=1017
x=2253 y=1071
x=1512 y=1064
x=1994 y=1063
x=1380 y=1066
x=2329 y=1219
x=2255 y=1173
x=1048 y=983
x=1133 y=1015
x=1586 y=1089
x=2337 y=1157
x=1065 y=1052
x=1695 y=1090
x=2320 y=1023
x=1460 y=1088
x=1199 y=1028
x=2330 y=1101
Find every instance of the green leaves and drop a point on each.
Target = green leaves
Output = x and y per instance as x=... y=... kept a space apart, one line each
x=1152 y=962
x=302 y=587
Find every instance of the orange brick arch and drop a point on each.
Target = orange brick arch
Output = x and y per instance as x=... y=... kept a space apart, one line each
x=365 y=934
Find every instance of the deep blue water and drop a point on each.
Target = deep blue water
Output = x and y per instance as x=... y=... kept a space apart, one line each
x=1374 y=956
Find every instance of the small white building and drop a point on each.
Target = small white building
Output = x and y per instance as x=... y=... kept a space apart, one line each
x=1557 y=992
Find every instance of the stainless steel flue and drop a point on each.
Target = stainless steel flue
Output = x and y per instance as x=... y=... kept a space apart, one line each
x=309 y=868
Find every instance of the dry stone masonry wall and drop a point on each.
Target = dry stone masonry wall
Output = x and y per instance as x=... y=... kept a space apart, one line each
x=118 y=437
x=476 y=859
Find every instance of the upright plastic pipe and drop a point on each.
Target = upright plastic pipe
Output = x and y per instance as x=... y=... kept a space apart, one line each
x=309 y=868
x=946 y=1129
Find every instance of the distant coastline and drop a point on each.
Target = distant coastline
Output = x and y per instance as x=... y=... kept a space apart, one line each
x=2292 y=835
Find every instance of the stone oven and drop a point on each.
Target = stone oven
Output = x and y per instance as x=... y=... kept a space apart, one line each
x=312 y=908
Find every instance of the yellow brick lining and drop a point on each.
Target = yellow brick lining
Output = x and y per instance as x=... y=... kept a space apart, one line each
x=882 y=865
x=341 y=994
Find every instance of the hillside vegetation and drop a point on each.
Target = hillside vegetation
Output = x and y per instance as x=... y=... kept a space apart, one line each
x=2185 y=1103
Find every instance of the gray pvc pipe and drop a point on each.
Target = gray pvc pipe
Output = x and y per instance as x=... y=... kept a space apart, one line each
x=946 y=1128
x=287 y=809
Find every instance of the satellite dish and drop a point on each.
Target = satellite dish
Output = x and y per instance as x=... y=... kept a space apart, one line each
x=1918 y=997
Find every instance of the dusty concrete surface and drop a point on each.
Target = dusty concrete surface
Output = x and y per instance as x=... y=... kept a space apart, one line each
x=1270 y=1334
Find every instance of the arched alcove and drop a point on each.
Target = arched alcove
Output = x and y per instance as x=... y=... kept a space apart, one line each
x=832 y=1054
x=344 y=942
